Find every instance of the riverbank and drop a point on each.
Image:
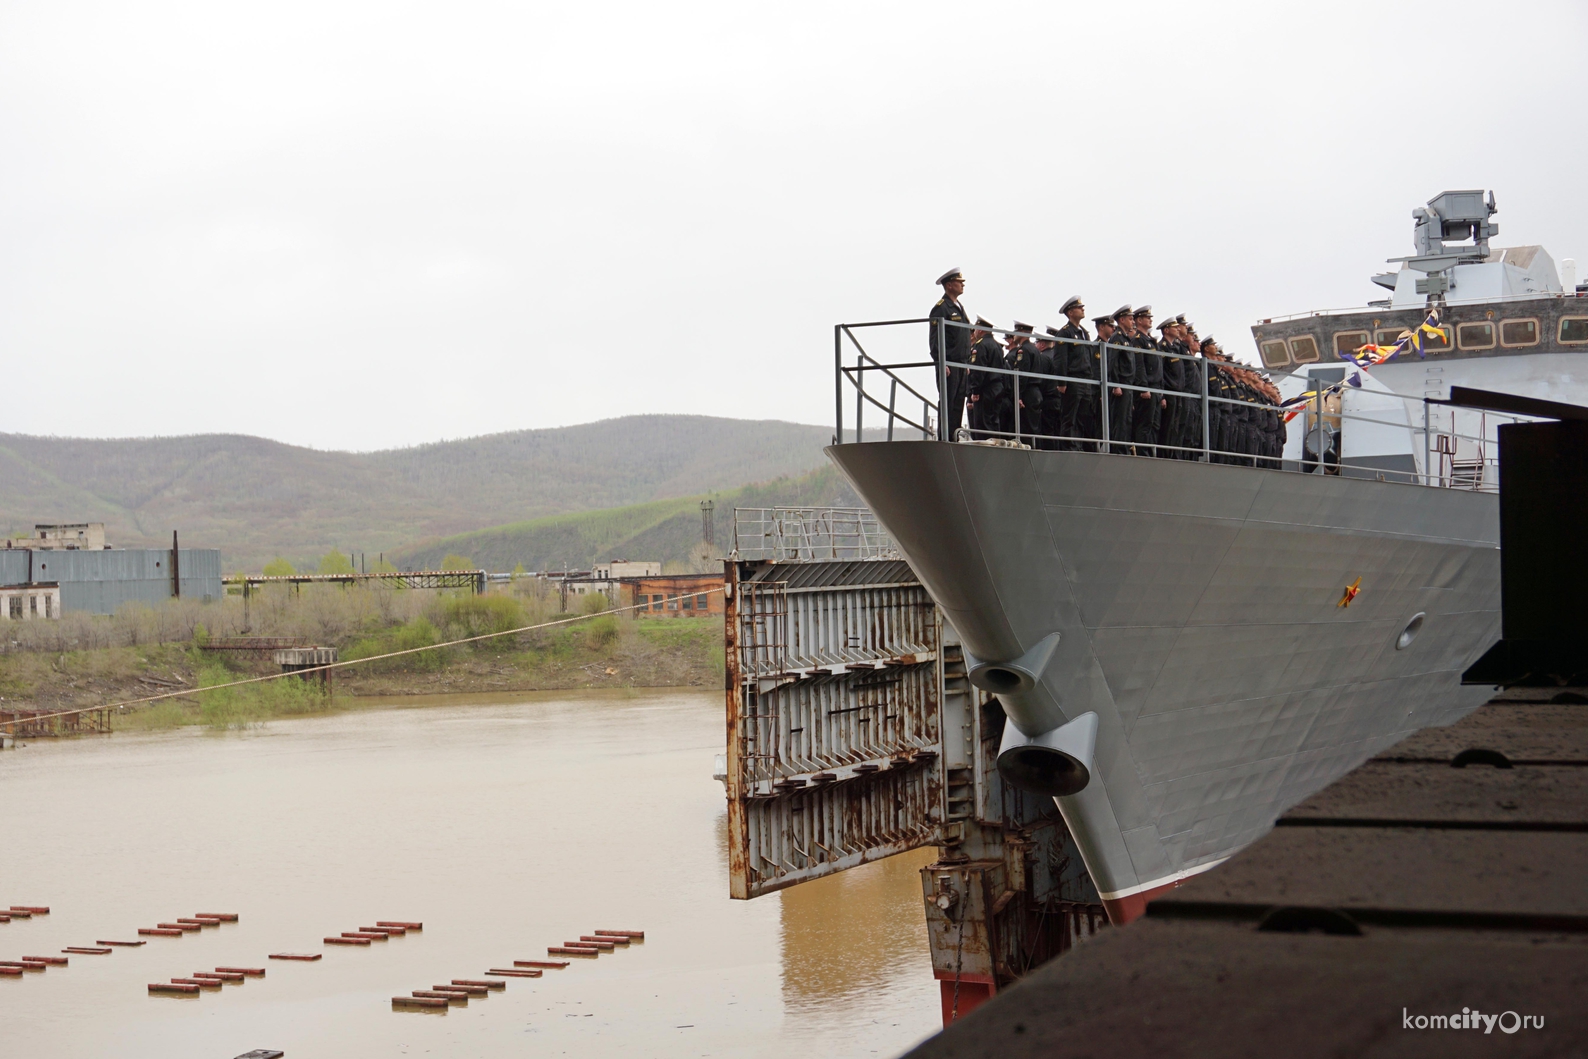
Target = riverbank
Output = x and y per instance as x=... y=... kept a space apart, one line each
x=606 y=652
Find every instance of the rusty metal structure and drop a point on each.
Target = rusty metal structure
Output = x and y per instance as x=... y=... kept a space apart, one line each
x=33 y=724
x=472 y=579
x=855 y=734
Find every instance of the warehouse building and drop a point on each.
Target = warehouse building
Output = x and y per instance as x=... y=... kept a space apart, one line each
x=52 y=579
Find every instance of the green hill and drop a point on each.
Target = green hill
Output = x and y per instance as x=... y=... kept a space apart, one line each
x=669 y=530
x=254 y=499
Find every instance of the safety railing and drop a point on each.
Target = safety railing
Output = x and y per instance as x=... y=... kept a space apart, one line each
x=1210 y=423
x=787 y=534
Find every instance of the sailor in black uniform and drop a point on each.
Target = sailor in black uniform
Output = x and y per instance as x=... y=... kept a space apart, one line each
x=1121 y=364
x=957 y=342
x=1191 y=402
x=1051 y=360
x=1171 y=430
x=1076 y=361
x=1021 y=355
x=1148 y=406
x=987 y=389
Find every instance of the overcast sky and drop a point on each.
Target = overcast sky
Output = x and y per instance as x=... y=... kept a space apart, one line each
x=363 y=225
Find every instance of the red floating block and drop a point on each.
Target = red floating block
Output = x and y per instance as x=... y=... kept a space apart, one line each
x=200 y=921
x=224 y=917
x=163 y=932
x=87 y=950
x=449 y=994
x=604 y=946
x=399 y=931
x=172 y=987
x=32 y=910
x=102 y=941
x=565 y=950
x=472 y=990
x=612 y=939
x=520 y=973
x=202 y=983
x=19 y=913
x=427 y=1002
x=10 y=970
x=486 y=982
x=224 y=976
x=362 y=934
x=347 y=941
x=399 y=923
x=4 y=918
x=632 y=935
x=24 y=965
x=251 y=972
x=552 y=964
x=296 y=955
x=58 y=961
x=190 y=927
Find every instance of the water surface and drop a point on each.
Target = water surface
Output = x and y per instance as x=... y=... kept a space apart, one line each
x=504 y=823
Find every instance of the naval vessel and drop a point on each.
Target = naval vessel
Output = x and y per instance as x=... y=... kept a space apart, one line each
x=1186 y=648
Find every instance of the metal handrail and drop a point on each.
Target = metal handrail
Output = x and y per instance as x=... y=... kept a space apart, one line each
x=855 y=376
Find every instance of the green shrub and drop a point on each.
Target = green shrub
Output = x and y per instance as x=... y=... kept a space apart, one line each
x=419 y=632
x=601 y=632
x=478 y=615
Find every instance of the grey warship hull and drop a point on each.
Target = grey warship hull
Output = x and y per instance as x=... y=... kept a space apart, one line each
x=1198 y=612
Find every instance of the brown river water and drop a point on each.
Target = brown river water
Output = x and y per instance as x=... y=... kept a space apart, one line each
x=504 y=823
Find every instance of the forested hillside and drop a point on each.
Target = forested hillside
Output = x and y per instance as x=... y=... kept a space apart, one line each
x=255 y=499
x=668 y=530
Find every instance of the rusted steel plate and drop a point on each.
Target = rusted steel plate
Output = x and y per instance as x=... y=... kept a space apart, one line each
x=405 y=924
x=103 y=941
x=88 y=950
x=450 y=996
x=54 y=961
x=632 y=935
x=1518 y=796
x=367 y=936
x=399 y=931
x=510 y=973
x=172 y=987
x=545 y=964
x=10 y=970
x=565 y=950
x=225 y=917
x=610 y=939
x=347 y=941
x=32 y=910
x=224 y=976
x=472 y=990
x=189 y=927
x=1434 y=869
x=202 y=921
x=251 y=972
x=604 y=946
x=419 y=1002
x=304 y=956
x=1539 y=733
x=1217 y=990
x=202 y=983
x=486 y=982
x=161 y=932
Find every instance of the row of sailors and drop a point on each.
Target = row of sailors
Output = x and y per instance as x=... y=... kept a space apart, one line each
x=1162 y=416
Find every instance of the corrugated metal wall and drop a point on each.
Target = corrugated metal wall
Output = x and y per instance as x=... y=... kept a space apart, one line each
x=101 y=581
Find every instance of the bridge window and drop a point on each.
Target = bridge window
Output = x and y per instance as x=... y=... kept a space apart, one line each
x=1518 y=332
x=1389 y=336
x=1437 y=343
x=1475 y=335
x=1304 y=349
x=1275 y=355
x=1573 y=329
x=1350 y=341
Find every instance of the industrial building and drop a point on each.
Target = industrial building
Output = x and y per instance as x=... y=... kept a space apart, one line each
x=674 y=595
x=57 y=571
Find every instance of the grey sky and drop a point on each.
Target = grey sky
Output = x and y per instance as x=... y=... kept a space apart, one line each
x=359 y=225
